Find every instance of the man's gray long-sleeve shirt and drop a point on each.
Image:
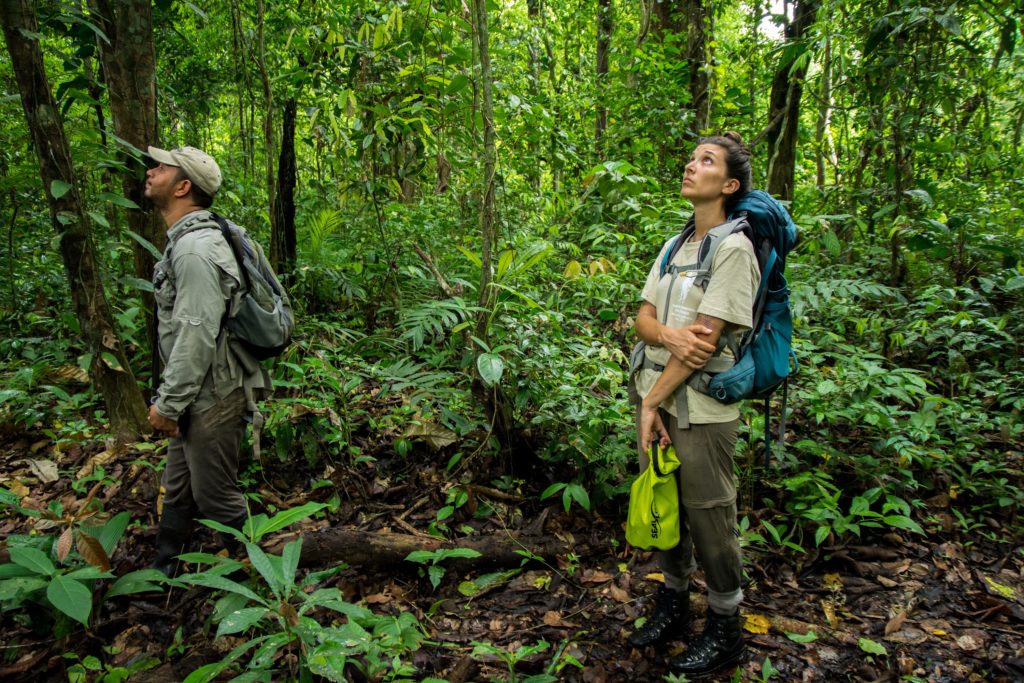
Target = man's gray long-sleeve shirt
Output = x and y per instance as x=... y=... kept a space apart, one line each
x=195 y=282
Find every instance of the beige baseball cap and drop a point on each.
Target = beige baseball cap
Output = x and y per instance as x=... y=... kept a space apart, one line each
x=199 y=166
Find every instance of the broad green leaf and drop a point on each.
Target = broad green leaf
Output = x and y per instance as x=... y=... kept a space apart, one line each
x=118 y=200
x=141 y=581
x=286 y=518
x=436 y=573
x=871 y=647
x=421 y=556
x=219 y=583
x=265 y=566
x=146 y=244
x=809 y=637
x=290 y=562
x=59 y=188
x=240 y=621
x=33 y=559
x=490 y=366
x=99 y=218
x=71 y=598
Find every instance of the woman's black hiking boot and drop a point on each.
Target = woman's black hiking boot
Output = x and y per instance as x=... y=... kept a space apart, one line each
x=720 y=645
x=671 y=619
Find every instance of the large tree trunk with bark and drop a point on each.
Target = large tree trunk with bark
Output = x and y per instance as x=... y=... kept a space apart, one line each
x=268 y=117
x=109 y=368
x=282 y=245
x=129 y=68
x=604 y=41
x=784 y=107
x=700 y=34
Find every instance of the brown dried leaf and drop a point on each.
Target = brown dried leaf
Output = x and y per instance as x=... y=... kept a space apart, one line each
x=552 y=618
x=971 y=640
x=72 y=373
x=64 y=544
x=896 y=623
x=288 y=612
x=44 y=470
x=378 y=599
x=98 y=459
x=618 y=595
x=90 y=549
x=435 y=435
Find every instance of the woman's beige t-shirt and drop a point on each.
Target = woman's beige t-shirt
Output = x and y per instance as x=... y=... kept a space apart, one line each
x=729 y=297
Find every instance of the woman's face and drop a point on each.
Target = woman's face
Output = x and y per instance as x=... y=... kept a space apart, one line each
x=706 y=176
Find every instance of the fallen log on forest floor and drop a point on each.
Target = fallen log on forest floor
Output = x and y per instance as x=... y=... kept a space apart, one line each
x=386 y=549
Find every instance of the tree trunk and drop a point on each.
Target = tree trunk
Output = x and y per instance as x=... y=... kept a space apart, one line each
x=109 y=368
x=604 y=39
x=381 y=550
x=487 y=231
x=268 y=117
x=787 y=88
x=666 y=17
x=700 y=33
x=822 y=134
x=282 y=245
x=129 y=68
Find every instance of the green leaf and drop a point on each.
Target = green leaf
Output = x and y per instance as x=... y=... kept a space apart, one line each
x=436 y=573
x=871 y=647
x=99 y=218
x=141 y=581
x=552 y=490
x=31 y=558
x=290 y=562
x=59 y=188
x=219 y=583
x=118 y=200
x=265 y=566
x=71 y=598
x=113 y=530
x=809 y=637
x=139 y=284
x=145 y=244
x=241 y=620
x=420 y=556
x=458 y=82
x=490 y=366
x=286 y=518
x=903 y=522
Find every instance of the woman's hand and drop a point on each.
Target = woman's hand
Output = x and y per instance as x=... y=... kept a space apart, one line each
x=651 y=427
x=689 y=344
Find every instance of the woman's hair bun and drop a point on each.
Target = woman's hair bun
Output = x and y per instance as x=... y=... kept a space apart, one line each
x=737 y=138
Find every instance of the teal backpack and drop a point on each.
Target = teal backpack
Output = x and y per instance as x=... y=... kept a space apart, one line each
x=764 y=356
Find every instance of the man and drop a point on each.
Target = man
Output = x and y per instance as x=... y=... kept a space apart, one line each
x=209 y=384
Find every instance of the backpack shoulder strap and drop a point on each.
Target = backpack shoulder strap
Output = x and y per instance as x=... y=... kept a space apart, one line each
x=234 y=240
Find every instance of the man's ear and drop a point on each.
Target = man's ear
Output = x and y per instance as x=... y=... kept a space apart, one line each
x=731 y=186
x=184 y=188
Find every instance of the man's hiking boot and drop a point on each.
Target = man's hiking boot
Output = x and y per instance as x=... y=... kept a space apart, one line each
x=172 y=537
x=720 y=645
x=671 y=618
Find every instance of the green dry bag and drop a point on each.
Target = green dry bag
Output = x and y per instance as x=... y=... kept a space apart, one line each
x=653 y=520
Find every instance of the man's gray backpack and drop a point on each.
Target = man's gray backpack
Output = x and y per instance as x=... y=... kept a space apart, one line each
x=261 y=318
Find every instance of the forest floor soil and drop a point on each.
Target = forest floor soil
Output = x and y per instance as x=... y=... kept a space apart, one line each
x=891 y=607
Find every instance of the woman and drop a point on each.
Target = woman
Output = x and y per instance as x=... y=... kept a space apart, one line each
x=681 y=325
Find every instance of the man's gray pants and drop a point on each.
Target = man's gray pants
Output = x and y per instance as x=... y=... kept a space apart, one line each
x=201 y=475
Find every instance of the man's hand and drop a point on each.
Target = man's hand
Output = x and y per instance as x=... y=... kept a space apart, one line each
x=161 y=423
x=651 y=427
x=689 y=344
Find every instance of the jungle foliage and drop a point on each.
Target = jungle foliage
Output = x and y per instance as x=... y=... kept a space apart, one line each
x=506 y=365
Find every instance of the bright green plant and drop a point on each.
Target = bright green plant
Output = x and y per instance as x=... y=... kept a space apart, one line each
x=59 y=573
x=511 y=659
x=432 y=560
x=282 y=612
